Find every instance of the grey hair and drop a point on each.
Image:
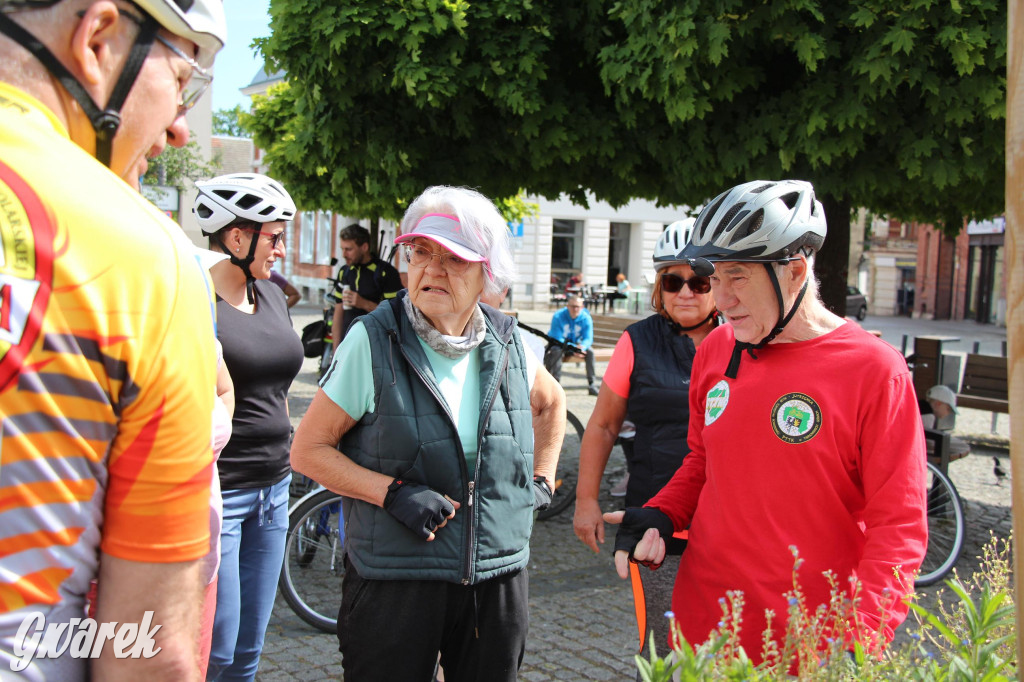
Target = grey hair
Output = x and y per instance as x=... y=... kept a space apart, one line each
x=487 y=232
x=813 y=285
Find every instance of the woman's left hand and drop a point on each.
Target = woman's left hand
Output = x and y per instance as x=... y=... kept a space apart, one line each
x=421 y=509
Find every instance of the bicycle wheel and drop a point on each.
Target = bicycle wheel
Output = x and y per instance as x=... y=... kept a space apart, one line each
x=313 y=568
x=945 y=528
x=568 y=468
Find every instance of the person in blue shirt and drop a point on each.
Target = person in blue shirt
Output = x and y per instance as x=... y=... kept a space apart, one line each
x=572 y=324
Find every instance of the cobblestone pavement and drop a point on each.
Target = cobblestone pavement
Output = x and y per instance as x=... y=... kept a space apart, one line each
x=582 y=622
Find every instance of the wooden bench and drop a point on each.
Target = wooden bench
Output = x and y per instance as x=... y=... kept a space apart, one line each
x=985 y=385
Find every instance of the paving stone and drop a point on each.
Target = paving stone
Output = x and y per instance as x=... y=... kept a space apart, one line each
x=582 y=622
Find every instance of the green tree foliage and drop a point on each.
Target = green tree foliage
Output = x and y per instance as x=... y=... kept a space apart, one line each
x=231 y=122
x=895 y=106
x=176 y=165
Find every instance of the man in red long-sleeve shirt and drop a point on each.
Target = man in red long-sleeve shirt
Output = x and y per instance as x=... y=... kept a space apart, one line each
x=804 y=432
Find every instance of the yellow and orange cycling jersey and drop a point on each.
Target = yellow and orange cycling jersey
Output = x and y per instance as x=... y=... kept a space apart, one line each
x=107 y=368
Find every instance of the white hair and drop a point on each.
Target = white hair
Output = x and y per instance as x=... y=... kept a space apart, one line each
x=813 y=285
x=487 y=231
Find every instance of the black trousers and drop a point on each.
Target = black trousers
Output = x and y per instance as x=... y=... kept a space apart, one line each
x=393 y=630
x=554 y=355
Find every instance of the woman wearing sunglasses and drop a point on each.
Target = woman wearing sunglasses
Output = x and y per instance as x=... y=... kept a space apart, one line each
x=647 y=382
x=244 y=216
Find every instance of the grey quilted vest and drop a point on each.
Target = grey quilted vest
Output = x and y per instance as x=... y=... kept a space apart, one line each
x=411 y=434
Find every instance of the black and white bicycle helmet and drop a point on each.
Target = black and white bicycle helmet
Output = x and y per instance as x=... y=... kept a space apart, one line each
x=240 y=198
x=671 y=242
x=201 y=21
x=758 y=222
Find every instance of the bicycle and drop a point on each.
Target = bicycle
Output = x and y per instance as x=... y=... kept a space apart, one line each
x=317 y=337
x=567 y=470
x=946 y=527
x=313 y=566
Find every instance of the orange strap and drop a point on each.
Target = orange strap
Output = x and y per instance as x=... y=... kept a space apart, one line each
x=639 y=600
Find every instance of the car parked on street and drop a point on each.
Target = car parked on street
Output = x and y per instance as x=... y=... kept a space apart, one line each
x=856 y=303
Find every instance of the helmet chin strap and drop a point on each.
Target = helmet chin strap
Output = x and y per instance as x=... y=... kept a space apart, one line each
x=737 y=351
x=244 y=265
x=680 y=329
x=107 y=120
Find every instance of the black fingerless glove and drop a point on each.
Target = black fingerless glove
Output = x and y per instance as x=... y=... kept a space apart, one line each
x=417 y=507
x=541 y=494
x=635 y=523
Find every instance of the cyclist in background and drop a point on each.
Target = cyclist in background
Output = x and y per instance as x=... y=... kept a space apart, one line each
x=368 y=278
x=804 y=431
x=107 y=358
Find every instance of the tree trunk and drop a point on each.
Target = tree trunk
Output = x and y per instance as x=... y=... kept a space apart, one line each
x=375 y=245
x=833 y=262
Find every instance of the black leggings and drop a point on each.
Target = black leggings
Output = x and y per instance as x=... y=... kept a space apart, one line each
x=394 y=629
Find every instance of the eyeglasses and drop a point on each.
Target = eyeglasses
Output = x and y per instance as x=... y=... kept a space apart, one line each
x=673 y=284
x=420 y=257
x=275 y=237
x=197 y=84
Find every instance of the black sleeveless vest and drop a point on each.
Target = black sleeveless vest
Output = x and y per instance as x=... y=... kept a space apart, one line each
x=658 y=403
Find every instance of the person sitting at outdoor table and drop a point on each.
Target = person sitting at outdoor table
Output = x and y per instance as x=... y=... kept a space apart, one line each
x=942 y=400
x=572 y=324
x=443 y=445
x=621 y=287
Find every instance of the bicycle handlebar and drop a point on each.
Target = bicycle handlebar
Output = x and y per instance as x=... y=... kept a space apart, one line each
x=571 y=348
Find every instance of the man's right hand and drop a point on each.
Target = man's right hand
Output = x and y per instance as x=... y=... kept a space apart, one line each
x=588 y=523
x=641 y=537
x=421 y=509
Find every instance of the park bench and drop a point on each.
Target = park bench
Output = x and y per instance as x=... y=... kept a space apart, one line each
x=985 y=385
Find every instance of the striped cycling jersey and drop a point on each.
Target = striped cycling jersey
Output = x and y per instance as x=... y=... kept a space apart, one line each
x=107 y=368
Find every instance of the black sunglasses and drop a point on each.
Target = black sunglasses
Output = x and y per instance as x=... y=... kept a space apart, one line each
x=673 y=284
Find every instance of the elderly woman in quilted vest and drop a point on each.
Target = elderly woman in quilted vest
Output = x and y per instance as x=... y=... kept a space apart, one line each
x=442 y=435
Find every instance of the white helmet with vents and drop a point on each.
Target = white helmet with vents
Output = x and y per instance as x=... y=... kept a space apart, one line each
x=671 y=242
x=201 y=21
x=760 y=221
x=249 y=196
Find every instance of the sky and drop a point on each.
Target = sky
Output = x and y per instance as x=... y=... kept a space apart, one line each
x=237 y=63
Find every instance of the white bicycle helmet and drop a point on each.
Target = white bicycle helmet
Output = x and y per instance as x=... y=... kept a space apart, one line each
x=246 y=196
x=240 y=198
x=201 y=21
x=759 y=221
x=671 y=242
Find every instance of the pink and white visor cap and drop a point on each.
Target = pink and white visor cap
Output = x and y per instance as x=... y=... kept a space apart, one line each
x=447 y=231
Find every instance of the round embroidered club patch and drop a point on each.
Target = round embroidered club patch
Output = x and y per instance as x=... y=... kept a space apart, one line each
x=718 y=398
x=796 y=418
x=26 y=271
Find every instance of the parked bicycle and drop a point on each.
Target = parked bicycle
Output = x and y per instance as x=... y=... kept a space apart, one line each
x=946 y=527
x=313 y=559
x=317 y=337
x=314 y=566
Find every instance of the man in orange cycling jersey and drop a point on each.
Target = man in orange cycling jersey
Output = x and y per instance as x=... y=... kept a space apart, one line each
x=107 y=359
